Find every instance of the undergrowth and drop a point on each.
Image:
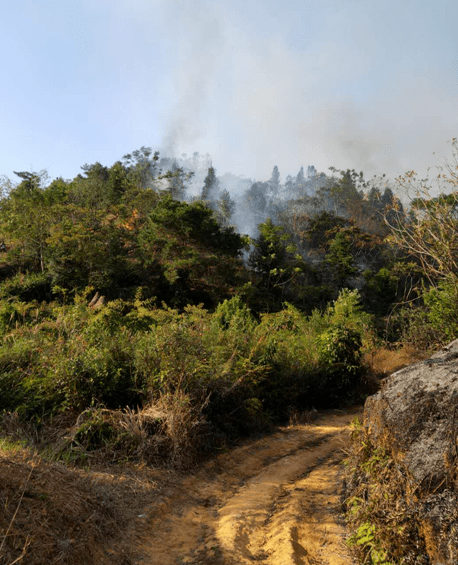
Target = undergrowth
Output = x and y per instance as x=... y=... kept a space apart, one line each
x=384 y=523
x=131 y=380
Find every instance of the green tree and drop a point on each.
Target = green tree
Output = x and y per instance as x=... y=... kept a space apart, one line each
x=340 y=260
x=86 y=248
x=177 y=178
x=255 y=199
x=92 y=190
x=117 y=182
x=344 y=195
x=142 y=169
x=225 y=208
x=26 y=218
x=318 y=229
x=274 y=182
x=290 y=187
x=201 y=260
x=211 y=186
x=300 y=182
x=275 y=263
x=380 y=291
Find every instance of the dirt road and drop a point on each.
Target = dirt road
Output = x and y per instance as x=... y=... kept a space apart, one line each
x=275 y=501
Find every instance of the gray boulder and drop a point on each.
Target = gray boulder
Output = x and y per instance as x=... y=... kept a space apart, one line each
x=414 y=417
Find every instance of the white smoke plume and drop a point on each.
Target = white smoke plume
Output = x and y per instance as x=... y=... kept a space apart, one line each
x=298 y=88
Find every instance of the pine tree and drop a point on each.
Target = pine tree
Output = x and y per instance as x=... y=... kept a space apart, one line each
x=225 y=208
x=211 y=186
x=274 y=182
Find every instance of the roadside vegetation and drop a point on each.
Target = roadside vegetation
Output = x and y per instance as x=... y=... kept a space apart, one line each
x=139 y=326
x=385 y=525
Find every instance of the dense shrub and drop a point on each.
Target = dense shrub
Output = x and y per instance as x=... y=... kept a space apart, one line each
x=432 y=320
x=442 y=310
x=222 y=374
x=27 y=287
x=349 y=333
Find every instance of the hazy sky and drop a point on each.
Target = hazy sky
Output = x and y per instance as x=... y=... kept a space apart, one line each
x=364 y=84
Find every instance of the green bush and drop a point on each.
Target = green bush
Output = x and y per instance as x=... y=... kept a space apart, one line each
x=380 y=291
x=432 y=321
x=340 y=362
x=233 y=314
x=224 y=373
x=284 y=342
x=442 y=310
x=27 y=287
x=64 y=363
x=18 y=359
x=341 y=344
x=348 y=312
x=190 y=353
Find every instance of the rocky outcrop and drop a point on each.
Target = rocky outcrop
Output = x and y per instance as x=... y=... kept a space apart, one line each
x=415 y=419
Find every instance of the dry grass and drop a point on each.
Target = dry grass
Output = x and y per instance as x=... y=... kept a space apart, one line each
x=298 y=418
x=62 y=514
x=167 y=432
x=58 y=515
x=376 y=496
x=384 y=361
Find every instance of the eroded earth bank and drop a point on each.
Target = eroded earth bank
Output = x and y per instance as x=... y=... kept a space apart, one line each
x=275 y=500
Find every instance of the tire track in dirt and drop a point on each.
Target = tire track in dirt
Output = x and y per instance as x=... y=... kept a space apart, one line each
x=274 y=501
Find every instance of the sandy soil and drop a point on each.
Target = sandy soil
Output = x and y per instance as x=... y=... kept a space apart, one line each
x=275 y=500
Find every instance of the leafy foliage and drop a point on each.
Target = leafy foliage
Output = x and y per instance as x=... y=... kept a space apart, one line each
x=199 y=259
x=278 y=267
x=227 y=371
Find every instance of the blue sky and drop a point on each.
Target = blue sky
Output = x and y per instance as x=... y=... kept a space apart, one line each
x=370 y=85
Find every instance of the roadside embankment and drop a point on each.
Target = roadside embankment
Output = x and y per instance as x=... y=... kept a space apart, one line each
x=403 y=486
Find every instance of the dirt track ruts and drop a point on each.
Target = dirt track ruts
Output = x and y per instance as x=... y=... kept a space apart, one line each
x=275 y=501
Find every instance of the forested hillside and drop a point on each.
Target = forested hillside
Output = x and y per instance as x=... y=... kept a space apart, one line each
x=131 y=287
x=152 y=312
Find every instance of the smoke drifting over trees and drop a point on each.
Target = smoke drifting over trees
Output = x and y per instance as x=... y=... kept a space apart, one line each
x=173 y=226
x=255 y=102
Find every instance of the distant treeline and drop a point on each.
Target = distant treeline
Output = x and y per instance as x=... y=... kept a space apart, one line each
x=145 y=223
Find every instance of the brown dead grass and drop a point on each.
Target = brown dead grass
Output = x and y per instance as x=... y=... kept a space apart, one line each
x=384 y=361
x=53 y=514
